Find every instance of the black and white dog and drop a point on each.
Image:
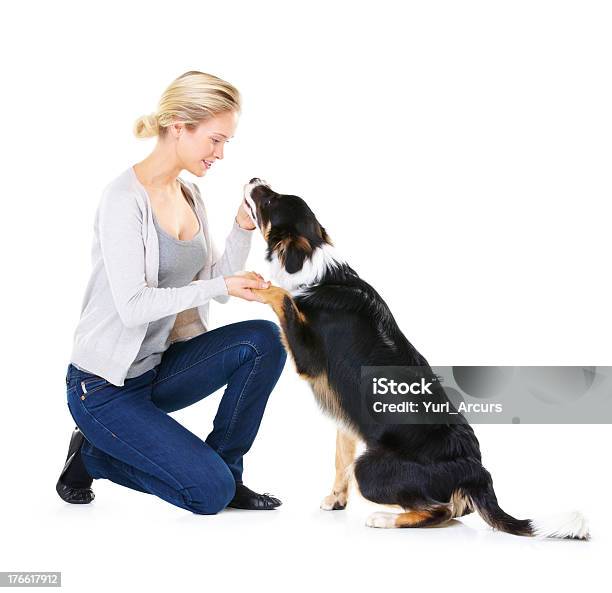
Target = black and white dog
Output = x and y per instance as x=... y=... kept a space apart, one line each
x=333 y=323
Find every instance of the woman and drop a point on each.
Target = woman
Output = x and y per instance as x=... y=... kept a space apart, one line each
x=142 y=349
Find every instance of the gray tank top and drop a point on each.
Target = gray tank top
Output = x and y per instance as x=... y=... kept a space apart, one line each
x=179 y=262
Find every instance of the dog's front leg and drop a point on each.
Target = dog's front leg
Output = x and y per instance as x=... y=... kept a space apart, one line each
x=297 y=335
x=345 y=455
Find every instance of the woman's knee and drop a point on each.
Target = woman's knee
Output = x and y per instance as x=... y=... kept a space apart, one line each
x=213 y=496
x=262 y=338
x=266 y=337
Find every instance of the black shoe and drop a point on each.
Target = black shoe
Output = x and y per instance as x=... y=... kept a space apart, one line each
x=74 y=482
x=245 y=498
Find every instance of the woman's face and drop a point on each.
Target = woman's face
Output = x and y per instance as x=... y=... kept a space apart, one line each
x=202 y=146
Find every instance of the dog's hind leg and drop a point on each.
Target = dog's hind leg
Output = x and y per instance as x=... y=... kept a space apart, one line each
x=386 y=478
x=429 y=517
x=345 y=454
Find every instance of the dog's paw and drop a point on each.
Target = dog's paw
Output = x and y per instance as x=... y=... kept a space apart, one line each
x=273 y=295
x=334 y=502
x=382 y=520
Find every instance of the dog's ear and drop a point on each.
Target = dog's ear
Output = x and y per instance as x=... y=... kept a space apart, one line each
x=324 y=236
x=295 y=254
x=292 y=251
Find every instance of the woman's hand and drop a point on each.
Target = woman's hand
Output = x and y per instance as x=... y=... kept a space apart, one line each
x=243 y=219
x=240 y=284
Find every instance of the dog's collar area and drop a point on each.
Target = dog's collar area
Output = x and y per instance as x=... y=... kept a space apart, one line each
x=302 y=288
x=315 y=270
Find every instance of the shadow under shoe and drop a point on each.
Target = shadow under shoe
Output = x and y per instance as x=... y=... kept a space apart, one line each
x=74 y=483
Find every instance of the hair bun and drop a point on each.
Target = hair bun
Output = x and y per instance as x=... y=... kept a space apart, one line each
x=146 y=126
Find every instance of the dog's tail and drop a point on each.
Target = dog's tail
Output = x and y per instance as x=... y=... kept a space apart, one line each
x=571 y=525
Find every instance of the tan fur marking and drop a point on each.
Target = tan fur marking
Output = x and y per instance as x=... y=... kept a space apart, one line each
x=325 y=236
x=303 y=244
x=281 y=248
x=461 y=504
x=412 y=518
x=345 y=455
x=266 y=231
x=275 y=297
x=300 y=242
x=418 y=518
x=327 y=398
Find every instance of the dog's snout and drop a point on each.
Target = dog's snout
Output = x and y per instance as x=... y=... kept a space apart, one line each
x=259 y=181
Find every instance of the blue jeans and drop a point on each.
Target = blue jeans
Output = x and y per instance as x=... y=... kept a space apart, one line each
x=131 y=440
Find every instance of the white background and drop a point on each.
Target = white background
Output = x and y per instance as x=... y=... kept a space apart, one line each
x=462 y=145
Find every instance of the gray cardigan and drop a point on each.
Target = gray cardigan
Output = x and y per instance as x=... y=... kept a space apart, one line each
x=122 y=296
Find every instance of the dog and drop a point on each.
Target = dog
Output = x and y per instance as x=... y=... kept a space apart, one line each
x=333 y=323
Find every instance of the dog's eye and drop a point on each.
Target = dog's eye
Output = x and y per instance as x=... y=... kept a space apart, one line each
x=267 y=202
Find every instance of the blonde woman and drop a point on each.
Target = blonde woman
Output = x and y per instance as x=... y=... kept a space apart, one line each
x=142 y=347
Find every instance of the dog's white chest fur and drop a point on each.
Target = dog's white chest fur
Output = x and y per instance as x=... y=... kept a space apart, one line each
x=312 y=271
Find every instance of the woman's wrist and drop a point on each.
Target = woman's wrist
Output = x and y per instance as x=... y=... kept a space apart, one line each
x=243 y=228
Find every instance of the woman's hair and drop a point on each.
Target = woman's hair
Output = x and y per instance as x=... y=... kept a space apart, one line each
x=191 y=98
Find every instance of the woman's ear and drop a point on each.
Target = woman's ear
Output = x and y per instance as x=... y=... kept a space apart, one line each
x=176 y=129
